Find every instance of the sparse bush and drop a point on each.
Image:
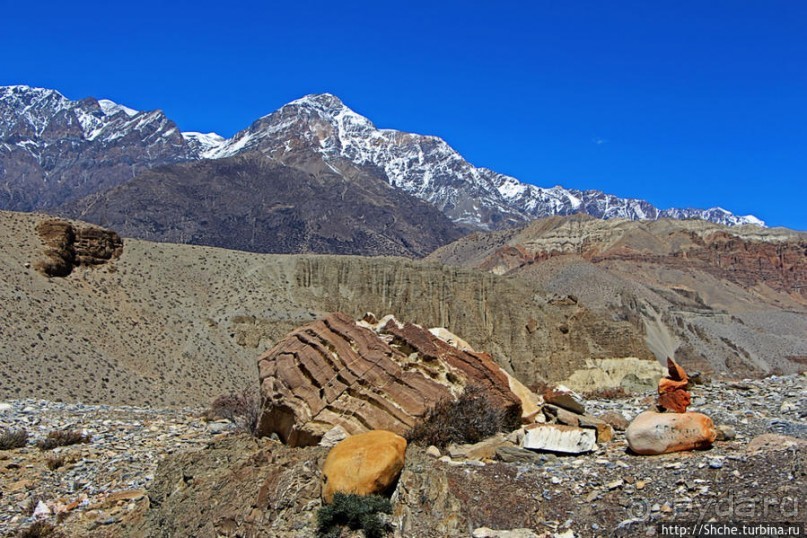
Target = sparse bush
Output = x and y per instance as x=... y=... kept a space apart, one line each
x=40 y=529
x=11 y=439
x=54 y=462
x=241 y=408
x=355 y=512
x=607 y=393
x=469 y=419
x=62 y=438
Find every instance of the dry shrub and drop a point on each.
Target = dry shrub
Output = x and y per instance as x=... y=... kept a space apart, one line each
x=468 y=419
x=63 y=438
x=11 y=439
x=54 y=462
x=607 y=393
x=40 y=529
x=241 y=408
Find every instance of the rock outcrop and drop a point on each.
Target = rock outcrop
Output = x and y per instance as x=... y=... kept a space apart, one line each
x=336 y=372
x=672 y=393
x=364 y=464
x=68 y=246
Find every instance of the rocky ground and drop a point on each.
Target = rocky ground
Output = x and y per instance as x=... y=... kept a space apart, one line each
x=150 y=472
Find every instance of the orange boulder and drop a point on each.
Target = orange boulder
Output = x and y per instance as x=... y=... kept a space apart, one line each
x=660 y=433
x=364 y=464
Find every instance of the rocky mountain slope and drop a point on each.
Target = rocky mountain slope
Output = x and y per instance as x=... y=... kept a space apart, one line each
x=167 y=324
x=55 y=150
x=717 y=298
x=254 y=203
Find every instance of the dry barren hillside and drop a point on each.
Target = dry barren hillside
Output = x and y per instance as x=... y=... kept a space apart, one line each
x=730 y=300
x=168 y=324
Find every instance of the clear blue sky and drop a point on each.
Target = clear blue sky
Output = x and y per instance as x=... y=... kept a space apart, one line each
x=683 y=103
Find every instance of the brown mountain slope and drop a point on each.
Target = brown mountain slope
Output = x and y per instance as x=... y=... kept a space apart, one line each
x=257 y=204
x=720 y=299
x=180 y=324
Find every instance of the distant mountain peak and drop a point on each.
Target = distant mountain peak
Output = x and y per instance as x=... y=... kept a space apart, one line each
x=326 y=101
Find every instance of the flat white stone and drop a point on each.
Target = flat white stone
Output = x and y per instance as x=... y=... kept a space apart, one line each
x=559 y=438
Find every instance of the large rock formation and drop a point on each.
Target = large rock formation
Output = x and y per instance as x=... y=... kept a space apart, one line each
x=68 y=246
x=335 y=372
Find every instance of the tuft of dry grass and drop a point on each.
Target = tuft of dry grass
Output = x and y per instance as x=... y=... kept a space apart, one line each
x=241 y=408
x=11 y=439
x=63 y=438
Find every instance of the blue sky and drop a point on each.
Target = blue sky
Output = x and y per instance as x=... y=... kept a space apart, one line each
x=683 y=103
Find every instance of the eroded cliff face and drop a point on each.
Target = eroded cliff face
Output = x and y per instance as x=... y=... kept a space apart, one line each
x=722 y=300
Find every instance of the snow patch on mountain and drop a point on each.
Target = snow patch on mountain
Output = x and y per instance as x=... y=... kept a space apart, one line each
x=111 y=108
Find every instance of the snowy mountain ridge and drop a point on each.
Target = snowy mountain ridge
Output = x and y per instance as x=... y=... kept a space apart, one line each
x=55 y=140
x=427 y=167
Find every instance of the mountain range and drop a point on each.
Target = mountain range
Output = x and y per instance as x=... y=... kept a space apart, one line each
x=68 y=157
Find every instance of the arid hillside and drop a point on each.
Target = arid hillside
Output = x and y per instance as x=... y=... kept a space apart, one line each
x=725 y=300
x=167 y=324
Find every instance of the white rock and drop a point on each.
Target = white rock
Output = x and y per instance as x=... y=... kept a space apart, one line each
x=333 y=436
x=559 y=438
x=41 y=510
x=5 y=407
x=485 y=532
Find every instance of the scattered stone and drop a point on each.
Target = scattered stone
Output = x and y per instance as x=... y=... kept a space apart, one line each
x=616 y=420
x=41 y=511
x=4 y=407
x=725 y=432
x=604 y=431
x=485 y=532
x=364 y=464
x=333 y=436
x=559 y=438
x=483 y=450
x=660 y=433
x=433 y=451
x=513 y=454
x=773 y=441
x=219 y=426
x=564 y=397
x=715 y=463
x=618 y=483
x=560 y=415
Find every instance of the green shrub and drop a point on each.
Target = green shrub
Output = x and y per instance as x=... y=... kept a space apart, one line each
x=355 y=512
x=241 y=408
x=62 y=438
x=11 y=439
x=468 y=419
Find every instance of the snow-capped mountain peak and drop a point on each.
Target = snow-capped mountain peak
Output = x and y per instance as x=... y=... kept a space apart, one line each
x=111 y=108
